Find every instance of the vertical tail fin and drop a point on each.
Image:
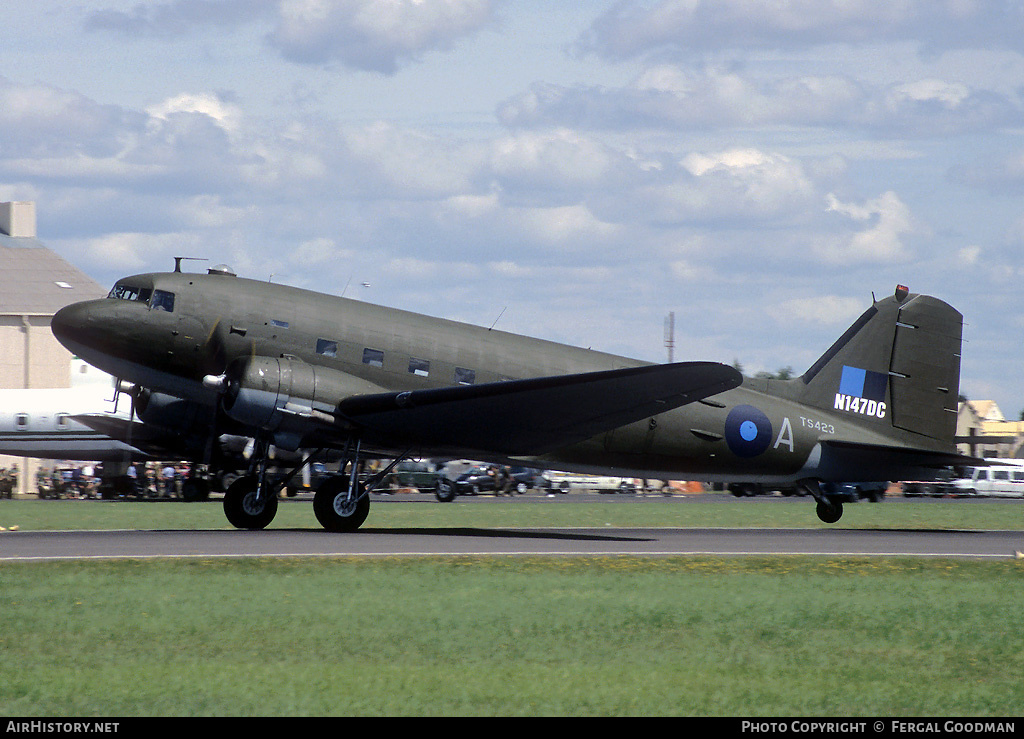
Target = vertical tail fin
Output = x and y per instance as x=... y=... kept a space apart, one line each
x=899 y=363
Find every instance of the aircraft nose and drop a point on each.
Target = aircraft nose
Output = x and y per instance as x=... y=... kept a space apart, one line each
x=73 y=325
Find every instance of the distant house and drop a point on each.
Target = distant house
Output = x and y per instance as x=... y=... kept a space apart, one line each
x=983 y=431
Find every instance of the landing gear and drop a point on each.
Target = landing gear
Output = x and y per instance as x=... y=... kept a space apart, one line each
x=341 y=503
x=829 y=508
x=247 y=506
x=250 y=502
x=829 y=511
x=340 y=506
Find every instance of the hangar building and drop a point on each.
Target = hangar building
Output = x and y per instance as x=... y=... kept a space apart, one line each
x=34 y=284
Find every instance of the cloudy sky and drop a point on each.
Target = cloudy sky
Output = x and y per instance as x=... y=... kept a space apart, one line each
x=575 y=171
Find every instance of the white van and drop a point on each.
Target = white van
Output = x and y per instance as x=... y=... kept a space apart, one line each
x=1006 y=480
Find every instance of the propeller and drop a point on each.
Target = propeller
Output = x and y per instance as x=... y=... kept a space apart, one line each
x=213 y=353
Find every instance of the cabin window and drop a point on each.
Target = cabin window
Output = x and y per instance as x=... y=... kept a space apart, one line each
x=327 y=347
x=130 y=292
x=62 y=421
x=162 y=300
x=1000 y=474
x=124 y=292
x=419 y=367
x=21 y=420
x=464 y=376
x=373 y=357
x=1018 y=475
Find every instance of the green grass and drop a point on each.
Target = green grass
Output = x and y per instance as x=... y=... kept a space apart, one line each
x=575 y=636
x=778 y=636
x=724 y=511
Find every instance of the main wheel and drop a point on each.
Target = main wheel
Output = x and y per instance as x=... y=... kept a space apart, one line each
x=830 y=511
x=242 y=508
x=334 y=510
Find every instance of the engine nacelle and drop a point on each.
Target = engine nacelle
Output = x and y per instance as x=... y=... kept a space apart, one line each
x=173 y=414
x=282 y=396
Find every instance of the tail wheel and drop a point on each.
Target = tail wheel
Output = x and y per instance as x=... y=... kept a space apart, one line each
x=830 y=511
x=334 y=510
x=244 y=510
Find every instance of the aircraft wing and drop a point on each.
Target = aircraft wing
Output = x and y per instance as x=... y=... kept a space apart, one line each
x=535 y=416
x=137 y=435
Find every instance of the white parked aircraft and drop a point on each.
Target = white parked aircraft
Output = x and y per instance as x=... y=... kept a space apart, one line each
x=40 y=422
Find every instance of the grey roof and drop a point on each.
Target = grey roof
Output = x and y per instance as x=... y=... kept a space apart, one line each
x=35 y=281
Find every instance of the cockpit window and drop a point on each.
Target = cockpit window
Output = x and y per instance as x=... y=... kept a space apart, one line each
x=162 y=300
x=130 y=292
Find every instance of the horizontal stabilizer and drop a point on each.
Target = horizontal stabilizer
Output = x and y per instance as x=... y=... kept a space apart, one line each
x=847 y=461
x=537 y=415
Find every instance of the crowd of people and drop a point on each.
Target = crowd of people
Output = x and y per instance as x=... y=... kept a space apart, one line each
x=149 y=480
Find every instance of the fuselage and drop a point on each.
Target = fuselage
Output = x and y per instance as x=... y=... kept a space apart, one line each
x=167 y=331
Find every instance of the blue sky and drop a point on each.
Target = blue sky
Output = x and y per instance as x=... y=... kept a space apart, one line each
x=757 y=167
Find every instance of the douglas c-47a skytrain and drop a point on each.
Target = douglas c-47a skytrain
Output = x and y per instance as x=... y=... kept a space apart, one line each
x=218 y=354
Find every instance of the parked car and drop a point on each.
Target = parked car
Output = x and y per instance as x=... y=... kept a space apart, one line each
x=939 y=488
x=752 y=489
x=999 y=481
x=525 y=478
x=563 y=482
x=851 y=492
x=421 y=475
x=476 y=479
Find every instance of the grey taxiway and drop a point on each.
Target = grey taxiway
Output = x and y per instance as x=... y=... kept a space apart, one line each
x=494 y=541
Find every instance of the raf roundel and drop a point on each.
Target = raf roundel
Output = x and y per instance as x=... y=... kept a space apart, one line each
x=748 y=432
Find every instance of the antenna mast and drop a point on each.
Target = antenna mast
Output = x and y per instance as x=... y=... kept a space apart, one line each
x=670 y=335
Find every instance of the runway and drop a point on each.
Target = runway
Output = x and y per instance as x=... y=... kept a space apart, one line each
x=68 y=545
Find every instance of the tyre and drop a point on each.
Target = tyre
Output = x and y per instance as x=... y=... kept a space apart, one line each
x=244 y=510
x=335 y=511
x=830 y=511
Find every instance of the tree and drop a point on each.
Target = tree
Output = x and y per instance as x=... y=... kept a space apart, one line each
x=784 y=373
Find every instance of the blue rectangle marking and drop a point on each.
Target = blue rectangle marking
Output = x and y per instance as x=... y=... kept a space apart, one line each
x=852 y=381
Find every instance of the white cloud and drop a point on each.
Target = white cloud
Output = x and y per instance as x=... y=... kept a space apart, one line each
x=132 y=251
x=373 y=35
x=635 y=27
x=737 y=185
x=226 y=115
x=177 y=17
x=318 y=251
x=949 y=94
x=671 y=96
x=888 y=220
x=573 y=226
x=969 y=255
x=210 y=211
x=405 y=162
x=556 y=161
x=826 y=310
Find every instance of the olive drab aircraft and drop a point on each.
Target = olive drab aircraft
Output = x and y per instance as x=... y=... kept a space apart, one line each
x=216 y=353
